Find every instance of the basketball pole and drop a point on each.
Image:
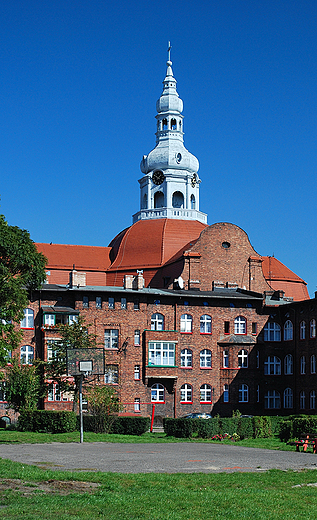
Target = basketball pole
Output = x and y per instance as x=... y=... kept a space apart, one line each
x=81 y=408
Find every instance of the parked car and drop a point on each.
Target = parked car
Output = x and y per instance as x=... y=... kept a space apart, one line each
x=197 y=416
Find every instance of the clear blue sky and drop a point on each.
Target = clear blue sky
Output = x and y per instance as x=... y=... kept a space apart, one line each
x=79 y=83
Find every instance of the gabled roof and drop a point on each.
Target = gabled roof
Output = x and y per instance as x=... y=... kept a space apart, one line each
x=87 y=258
x=281 y=278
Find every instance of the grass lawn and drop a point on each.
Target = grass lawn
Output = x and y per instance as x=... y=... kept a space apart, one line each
x=31 y=493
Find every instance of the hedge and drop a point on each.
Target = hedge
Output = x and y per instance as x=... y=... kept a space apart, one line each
x=131 y=425
x=295 y=425
x=48 y=421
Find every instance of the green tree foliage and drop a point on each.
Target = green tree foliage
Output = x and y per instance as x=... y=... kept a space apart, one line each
x=23 y=386
x=22 y=269
x=73 y=336
x=104 y=405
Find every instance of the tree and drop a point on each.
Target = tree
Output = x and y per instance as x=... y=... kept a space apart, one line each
x=22 y=269
x=73 y=336
x=104 y=405
x=23 y=386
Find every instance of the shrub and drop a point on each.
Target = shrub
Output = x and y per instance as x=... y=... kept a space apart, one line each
x=131 y=425
x=47 y=421
x=181 y=428
x=262 y=426
x=286 y=430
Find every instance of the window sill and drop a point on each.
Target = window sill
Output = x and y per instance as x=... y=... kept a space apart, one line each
x=205 y=402
x=27 y=328
x=186 y=332
x=161 y=366
x=205 y=368
x=206 y=333
x=186 y=368
x=137 y=379
x=158 y=402
x=186 y=402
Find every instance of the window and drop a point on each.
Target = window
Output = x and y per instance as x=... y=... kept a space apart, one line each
x=192 y=202
x=288 y=398
x=313 y=364
x=137 y=338
x=302 y=399
x=312 y=328
x=136 y=305
x=302 y=330
x=157 y=321
x=205 y=394
x=2 y=391
x=257 y=359
x=178 y=200
x=243 y=359
x=85 y=302
x=226 y=393
x=137 y=404
x=205 y=324
x=136 y=372
x=254 y=327
x=186 y=323
x=186 y=393
x=312 y=400
x=272 y=331
x=52 y=349
x=54 y=393
x=226 y=327
x=49 y=320
x=288 y=365
x=98 y=302
x=28 y=320
x=111 y=374
x=258 y=394
x=72 y=318
x=272 y=399
x=272 y=366
x=205 y=358
x=110 y=303
x=161 y=354
x=123 y=303
x=157 y=393
x=225 y=358
x=240 y=325
x=186 y=358
x=303 y=365
x=243 y=393
x=288 y=330
x=27 y=355
x=111 y=338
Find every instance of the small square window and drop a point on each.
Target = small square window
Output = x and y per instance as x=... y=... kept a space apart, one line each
x=123 y=303
x=98 y=302
x=85 y=302
x=111 y=302
x=137 y=372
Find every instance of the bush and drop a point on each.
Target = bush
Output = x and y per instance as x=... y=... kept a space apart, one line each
x=48 y=421
x=286 y=430
x=180 y=428
x=262 y=426
x=131 y=425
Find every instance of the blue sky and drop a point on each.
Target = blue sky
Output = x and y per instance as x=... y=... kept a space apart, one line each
x=79 y=83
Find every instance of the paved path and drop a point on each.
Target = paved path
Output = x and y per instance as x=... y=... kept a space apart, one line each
x=158 y=458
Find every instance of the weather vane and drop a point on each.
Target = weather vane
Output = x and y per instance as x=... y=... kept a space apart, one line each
x=169 y=51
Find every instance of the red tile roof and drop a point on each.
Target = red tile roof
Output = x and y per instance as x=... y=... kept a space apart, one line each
x=282 y=278
x=85 y=258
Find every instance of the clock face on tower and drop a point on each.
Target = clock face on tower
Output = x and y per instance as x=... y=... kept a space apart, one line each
x=158 y=177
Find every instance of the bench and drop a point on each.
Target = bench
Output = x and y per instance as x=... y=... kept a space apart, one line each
x=305 y=440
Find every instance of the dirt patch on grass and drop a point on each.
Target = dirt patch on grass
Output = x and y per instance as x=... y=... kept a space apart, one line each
x=61 y=487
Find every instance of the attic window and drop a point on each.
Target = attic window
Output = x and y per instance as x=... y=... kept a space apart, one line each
x=226 y=245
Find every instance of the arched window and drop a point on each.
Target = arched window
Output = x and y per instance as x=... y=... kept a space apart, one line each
x=157 y=321
x=164 y=124
x=178 y=200
x=288 y=330
x=173 y=124
x=243 y=359
x=272 y=366
x=272 y=331
x=186 y=393
x=303 y=365
x=226 y=393
x=240 y=325
x=302 y=330
x=186 y=323
x=288 y=398
x=302 y=400
x=159 y=200
x=243 y=393
x=226 y=359
x=288 y=365
x=205 y=324
x=205 y=394
x=157 y=393
x=312 y=400
x=186 y=358
x=312 y=328
x=27 y=354
x=28 y=320
x=144 y=201
x=192 y=202
x=313 y=364
x=205 y=358
x=272 y=399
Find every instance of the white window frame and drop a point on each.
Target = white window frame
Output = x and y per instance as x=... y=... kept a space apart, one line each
x=137 y=338
x=288 y=330
x=2 y=391
x=54 y=393
x=27 y=353
x=243 y=358
x=123 y=303
x=186 y=358
x=243 y=393
x=226 y=393
x=313 y=364
x=272 y=331
x=225 y=359
x=28 y=320
x=186 y=391
x=157 y=321
x=161 y=353
x=272 y=366
x=312 y=399
x=303 y=365
x=157 y=393
x=85 y=302
x=302 y=330
x=111 y=338
x=312 y=328
x=272 y=400
x=205 y=324
x=288 y=398
x=49 y=320
x=111 y=302
x=288 y=365
x=111 y=374
x=72 y=318
x=205 y=393
x=240 y=325
x=186 y=323
x=137 y=372
x=98 y=302
x=205 y=358
x=137 y=404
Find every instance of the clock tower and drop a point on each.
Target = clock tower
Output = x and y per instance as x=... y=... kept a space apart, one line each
x=170 y=185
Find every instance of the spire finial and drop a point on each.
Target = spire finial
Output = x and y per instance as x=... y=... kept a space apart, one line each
x=169 y=51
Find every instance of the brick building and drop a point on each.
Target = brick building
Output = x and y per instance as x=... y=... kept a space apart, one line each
x=192 y=318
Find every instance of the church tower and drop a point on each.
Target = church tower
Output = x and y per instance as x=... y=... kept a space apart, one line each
x=170 y=185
